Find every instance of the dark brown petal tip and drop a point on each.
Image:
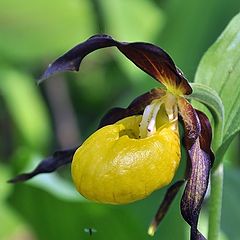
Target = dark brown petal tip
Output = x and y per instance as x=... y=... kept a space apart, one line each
x=168 y=198
x=58 y=159
x=136 y=107
x=148 y=57
x=198 y=136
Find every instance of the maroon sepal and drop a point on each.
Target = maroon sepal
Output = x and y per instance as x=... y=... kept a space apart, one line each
x=52 y=163
x=198 y=136
x=148 y=57
x=168 y=199
x=135 y=107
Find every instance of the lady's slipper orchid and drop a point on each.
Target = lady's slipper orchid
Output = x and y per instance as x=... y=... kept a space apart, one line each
x=136 y=150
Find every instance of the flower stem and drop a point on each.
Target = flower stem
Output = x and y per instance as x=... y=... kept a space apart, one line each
x=215 y=204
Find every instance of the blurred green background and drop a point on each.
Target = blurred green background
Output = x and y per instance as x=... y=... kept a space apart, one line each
x=63 y=111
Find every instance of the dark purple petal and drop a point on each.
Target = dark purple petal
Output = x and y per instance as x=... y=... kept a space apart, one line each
x=148 y=57
x=168 y=198
x=198 y=136
x=71 y=60
x=58 y=159
x=136 y=107
x=206 y=134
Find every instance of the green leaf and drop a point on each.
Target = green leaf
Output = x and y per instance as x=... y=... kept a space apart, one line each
x=220 y=70
x=211 y=99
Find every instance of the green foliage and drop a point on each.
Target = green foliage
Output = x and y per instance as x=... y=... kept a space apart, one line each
x=54 y=218
x=210 y=98
x=25 y=106
x=220 y=70
x=28 y=29
x=116 y=23
x=191 y=27
x=231 y=196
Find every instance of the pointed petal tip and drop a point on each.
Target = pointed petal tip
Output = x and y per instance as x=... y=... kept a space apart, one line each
x=20 y=178
x=50 y=164
x=59 y=66
x=11 y=180
x=45 y=75
x=41 y=79
x=152 y=229
x=165 y=204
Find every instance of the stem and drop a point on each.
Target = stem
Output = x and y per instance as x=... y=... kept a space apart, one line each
x=99 y=16
x=215 y=204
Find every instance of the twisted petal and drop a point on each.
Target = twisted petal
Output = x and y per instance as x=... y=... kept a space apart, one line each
x=58 y=159
x=135 y=107
x=148 y=57
x=168 y=198
x=198 y=136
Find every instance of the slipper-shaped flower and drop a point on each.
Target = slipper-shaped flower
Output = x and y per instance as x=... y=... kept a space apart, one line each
x=136 y=150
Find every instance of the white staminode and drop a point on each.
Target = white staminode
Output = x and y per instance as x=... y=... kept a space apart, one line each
x=148 y=124
x=171 y=107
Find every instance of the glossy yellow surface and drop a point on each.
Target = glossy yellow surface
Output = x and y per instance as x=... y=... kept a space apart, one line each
x=114 y=166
